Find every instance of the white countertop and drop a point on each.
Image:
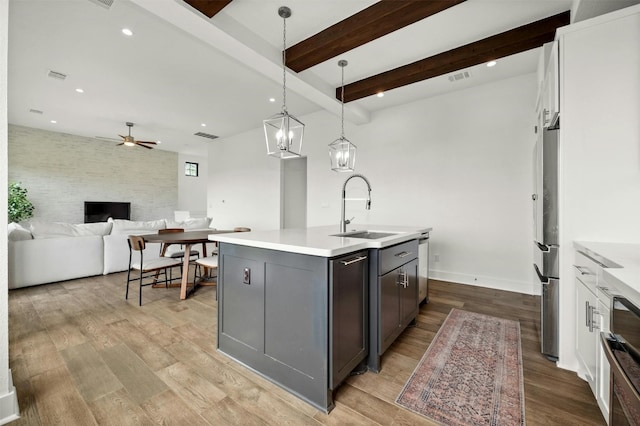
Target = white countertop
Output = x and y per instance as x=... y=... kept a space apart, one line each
x=626 y=277
x=319 y=241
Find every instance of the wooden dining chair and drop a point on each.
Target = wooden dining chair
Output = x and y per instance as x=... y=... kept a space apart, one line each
x=210 y=263
x=175 y=254
x=147 y=270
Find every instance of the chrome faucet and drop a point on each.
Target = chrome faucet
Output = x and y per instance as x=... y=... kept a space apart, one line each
x=343 y=222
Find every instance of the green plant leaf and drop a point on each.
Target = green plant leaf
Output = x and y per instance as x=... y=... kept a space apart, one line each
x=19 y=207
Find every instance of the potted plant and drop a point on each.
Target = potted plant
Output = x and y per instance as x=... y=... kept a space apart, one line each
x=19 y=207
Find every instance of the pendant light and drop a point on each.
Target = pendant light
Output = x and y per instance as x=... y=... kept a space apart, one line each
x=341 y=151
x=283 y=132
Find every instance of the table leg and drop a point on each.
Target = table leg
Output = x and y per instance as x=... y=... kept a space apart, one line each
x=185 y=272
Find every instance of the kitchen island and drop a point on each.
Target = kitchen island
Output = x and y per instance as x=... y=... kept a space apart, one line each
x=294 y=304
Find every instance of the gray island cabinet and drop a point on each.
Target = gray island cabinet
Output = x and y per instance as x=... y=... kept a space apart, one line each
x=293 y=305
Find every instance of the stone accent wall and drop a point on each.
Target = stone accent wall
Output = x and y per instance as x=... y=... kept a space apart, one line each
x=62 y=171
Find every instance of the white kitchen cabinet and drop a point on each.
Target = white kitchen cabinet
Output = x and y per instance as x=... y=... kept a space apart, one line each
x=593 y=316
x=602 y=363
x=599 y=193
x=587 y=338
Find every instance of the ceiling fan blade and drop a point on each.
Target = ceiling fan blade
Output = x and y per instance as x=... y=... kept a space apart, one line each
x=149 y=142
x=123 y=137
x=144 y=146
x=121 y=143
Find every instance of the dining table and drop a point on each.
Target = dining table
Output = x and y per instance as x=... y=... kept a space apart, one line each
x=187 y=239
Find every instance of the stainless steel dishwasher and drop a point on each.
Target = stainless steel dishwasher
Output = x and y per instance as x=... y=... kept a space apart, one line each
x=423 y=268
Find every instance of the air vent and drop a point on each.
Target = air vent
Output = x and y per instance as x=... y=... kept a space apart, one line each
x=104 y=3
x=459 y=76
x=206 y=135
x=57 y=75
x=35 y=111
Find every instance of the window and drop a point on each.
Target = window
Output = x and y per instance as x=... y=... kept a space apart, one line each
x=191 y=169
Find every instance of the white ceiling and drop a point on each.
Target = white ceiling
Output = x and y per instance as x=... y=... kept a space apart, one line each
x=181 y=69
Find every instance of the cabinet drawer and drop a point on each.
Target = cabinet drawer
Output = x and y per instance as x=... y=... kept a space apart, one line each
x=395 y=256
x=587 y=270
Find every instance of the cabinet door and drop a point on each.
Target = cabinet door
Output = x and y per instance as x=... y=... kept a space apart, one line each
x=389 y=312
x=586 y=336
x=243 y=301
x=348 y=314
x=408 y=292
x=602 y=363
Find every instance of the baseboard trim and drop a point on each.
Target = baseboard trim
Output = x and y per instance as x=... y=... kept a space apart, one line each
x=488 y=282
x=9 y=410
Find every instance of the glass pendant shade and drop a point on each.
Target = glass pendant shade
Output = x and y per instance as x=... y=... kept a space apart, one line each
x=283 y=134
x=343 y=155
x=342 y=152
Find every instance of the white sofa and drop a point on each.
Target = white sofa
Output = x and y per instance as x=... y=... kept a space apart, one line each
x=48 y=252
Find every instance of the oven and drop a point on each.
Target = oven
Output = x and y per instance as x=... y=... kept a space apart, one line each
x=622 y=348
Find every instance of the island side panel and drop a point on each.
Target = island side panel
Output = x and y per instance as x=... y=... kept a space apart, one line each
x=285 y=306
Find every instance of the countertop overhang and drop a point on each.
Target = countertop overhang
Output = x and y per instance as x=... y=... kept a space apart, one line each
x=320 y=241
x=624 y=274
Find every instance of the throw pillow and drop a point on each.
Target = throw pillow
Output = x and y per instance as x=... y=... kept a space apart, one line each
x=16 y=232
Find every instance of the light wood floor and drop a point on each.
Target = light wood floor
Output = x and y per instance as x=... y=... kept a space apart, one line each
x=80 y=355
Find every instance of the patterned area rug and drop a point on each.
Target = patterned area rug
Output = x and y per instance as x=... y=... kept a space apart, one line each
x=471 y=374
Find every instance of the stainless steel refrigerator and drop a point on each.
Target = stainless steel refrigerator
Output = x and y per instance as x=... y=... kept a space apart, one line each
x=546 y=243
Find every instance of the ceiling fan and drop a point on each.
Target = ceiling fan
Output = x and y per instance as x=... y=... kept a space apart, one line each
x=131 y=141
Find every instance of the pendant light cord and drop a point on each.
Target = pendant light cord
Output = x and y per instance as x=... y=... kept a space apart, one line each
x=342 y=102
x=284 y=62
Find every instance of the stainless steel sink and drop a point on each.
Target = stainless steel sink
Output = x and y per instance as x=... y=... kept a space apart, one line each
x=368 y=235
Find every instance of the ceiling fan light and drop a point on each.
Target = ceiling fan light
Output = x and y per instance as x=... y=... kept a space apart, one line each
x=129 y=143
x=342 y=154
x=283 y=134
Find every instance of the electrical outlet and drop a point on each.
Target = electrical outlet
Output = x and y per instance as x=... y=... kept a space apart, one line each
x=436 y=257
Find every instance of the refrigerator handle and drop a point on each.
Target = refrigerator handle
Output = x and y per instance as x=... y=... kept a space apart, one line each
x=542 y=247
x=544 y=280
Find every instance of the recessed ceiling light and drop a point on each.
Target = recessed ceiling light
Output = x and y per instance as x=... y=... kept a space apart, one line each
x=491 y=64
x=272 y=99
x=380 y=94
x=53 y=121
x=79 y=90
x=127 y=32
x=203 y=125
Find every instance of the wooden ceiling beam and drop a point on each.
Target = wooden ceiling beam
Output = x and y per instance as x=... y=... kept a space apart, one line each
x=498 y=46
x=380 y=19
x=208 y=7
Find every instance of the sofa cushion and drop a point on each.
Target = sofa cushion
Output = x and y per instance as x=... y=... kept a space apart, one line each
x=47 y=260
x=131 y=227
x=16 y=232
x=190 y=223
x=59 y=229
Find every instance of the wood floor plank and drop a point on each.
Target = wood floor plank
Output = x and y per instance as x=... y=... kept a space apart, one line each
x=192 y=388
x=119 y=409
x=92 y=376
x=369 y=406
x=40 y=354
x=167 y=408
x=137 y=378
x=58 y=400
x=228 y=412
x=154 y=356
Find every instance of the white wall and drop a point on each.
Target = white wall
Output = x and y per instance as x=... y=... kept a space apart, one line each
x=459 y=162
x=8 y=398
x=192 y=191
x=62 y=171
